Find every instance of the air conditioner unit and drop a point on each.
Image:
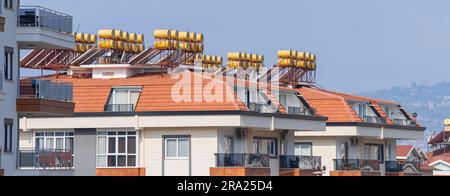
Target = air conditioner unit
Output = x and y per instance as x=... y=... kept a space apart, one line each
x=354 y=141
x=241 y=133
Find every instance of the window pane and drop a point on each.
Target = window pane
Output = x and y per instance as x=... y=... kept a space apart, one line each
x=49 y=134
x=183 y=148
x=122 y=144
x=121 y=97
x=49 y=143
x=39 y=143
x=112 y=161
x=305 y=150
x=101 y=145
x=69 y=144
x=131 y=161
x=101 y=161
x=131 y=145
x=111 y=145
x=134 y=96
x=59 y=134
x=171 y=148
x=121 y=161
x=59 y=144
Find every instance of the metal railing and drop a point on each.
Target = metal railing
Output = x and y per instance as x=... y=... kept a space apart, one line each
x=45 y=159
x=394 y=166
x=242 y=160
x=374 y=119
x=119 y=108
x=301 y=162
x=36 y=16
x=357 y=164
x=301 y=111
x=59 y=91
x=402 y=166
x=403 y=122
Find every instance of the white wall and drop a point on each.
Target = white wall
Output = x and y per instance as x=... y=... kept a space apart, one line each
x=324 y=147
x=203 y=148
x=10 y=88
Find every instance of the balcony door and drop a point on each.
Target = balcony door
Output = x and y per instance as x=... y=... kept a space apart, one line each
x=374 y=152
x=123 y=99
x=177 y=156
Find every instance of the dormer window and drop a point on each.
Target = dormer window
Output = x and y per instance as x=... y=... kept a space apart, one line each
x=123 y=99
x=367 y=113
x=398 y=115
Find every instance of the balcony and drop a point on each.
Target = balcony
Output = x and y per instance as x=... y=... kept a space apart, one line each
x=291 y=165
x=42 y=28
x=374 y=119
x=241 y=164
x=356 y=167
x=401 y=168
x=45 y=159
x=119 y=108
x=404 y=122
x=303 y=111
x=45 y=98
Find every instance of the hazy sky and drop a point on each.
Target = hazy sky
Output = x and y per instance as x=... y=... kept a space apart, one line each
x=361 y=45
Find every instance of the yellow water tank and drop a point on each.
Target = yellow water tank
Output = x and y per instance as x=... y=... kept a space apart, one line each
x=286 y=62
x=199 y=48
x=285 y=54
x=313 y=66
x=125 y=37
x=173 y=34
x=79 y=37
x=294 y=54
x=313 y=58
x=300 y=64
x=261 y=59
x=199 y=38
x=162 y=44
x=234 y=64
x=106 y=34
x=127 y=47
x=192 y=37
x=132 y=37
x=140 y=38
x=107 y=44
x=234 y=56
x=219 y=60
x=141 y=47
x=93 y=39
x=134 y=48
x=183 y=36
x=184 y=46
x=162 y=34
x=119 y=45
x=301 y=56
x=447 y=122
x=174 y=44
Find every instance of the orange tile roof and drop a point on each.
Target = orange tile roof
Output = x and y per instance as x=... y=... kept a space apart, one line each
x=403 y=150
x=335 y=105
x=91 y=95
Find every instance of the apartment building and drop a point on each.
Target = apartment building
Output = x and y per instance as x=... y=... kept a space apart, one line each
x=361 y=134
x=21 y=28
x=135 y=125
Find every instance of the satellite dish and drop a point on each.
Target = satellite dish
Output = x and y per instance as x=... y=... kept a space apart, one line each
x=415 y=115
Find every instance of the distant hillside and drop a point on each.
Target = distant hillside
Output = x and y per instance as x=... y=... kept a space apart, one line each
x=430 y=102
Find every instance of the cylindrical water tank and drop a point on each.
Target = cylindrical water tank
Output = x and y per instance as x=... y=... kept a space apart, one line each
x=125 y=37
x=107 y=44
x=162 y=34
x=132 y=37
x=79 y=37
x=183 y=36
x=106 y=34
x=173 y=34
x=285 y=54
x=234 y=56
x=234 y=64
x=199 y=38
x=301 y=56
x=286 y=62
x=140 y=39
x=162 y=44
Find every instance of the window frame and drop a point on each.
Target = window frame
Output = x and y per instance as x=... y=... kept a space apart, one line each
x=381 y=154
x=116 y=154
x=8 y=126
x=66 y=135
x=177 y=140
x=130 y=90
x=304 y=144
x=9 y=4
x=261 y=140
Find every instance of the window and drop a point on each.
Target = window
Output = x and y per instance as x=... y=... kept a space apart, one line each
x=228 y=144
x=374 y=152
x=283 y=100
x=361 y=109
x=8 y=63
x=303 y=149
x=177 y=148
x=266 y=146
x=117 y=149
x=8 y=4
x=123 y=99
x=8 y=128
x=54 y=140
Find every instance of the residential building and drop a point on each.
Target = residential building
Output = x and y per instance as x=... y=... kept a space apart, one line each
x=439 y=156
x=133 y=125
x=21 y=28
x=361 y=134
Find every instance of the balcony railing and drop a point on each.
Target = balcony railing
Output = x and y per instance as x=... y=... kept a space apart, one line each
x=374 y=119
x=301 y=111
x=59 y=91
x=45 y=159
x=243 y=160
x=119 y=108
x=402 y=166
x=404 y=122
x=36 y=16
x=301 y=162
x=357 y=164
